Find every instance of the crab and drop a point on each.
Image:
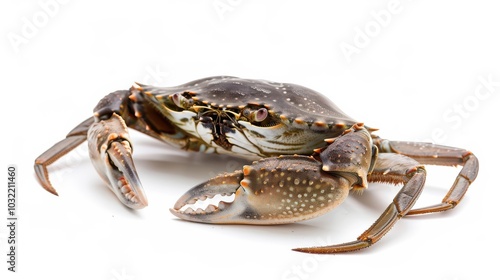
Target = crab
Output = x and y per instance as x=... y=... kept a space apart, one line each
x=308 y=154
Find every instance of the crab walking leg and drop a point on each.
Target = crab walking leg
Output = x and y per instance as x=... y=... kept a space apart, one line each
x=427 y=153
x=400 y=169
x=74 y=138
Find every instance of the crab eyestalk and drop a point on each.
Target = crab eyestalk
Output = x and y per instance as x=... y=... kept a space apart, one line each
x=271 y=191
x=111 y=155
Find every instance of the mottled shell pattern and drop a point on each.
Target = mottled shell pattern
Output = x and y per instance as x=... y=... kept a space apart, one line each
x=250 y=118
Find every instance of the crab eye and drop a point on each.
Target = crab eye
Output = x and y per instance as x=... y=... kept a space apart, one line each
x=260 y=115
x=176 y=99
x=257 y=116
x=180 y=101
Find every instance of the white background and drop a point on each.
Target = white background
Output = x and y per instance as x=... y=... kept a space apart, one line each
x=413 y=73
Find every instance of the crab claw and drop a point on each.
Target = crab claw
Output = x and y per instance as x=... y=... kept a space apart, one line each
x=276 y=190
x=222 y=185
x=111 y=155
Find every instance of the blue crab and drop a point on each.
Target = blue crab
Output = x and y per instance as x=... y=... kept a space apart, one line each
x=308 y=154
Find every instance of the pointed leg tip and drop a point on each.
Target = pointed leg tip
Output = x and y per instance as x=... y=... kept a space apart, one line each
x=301 y=250
x=52 y=191
x=48 y=187
x=42 y=176
x=311 y=250
x=336 y=249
